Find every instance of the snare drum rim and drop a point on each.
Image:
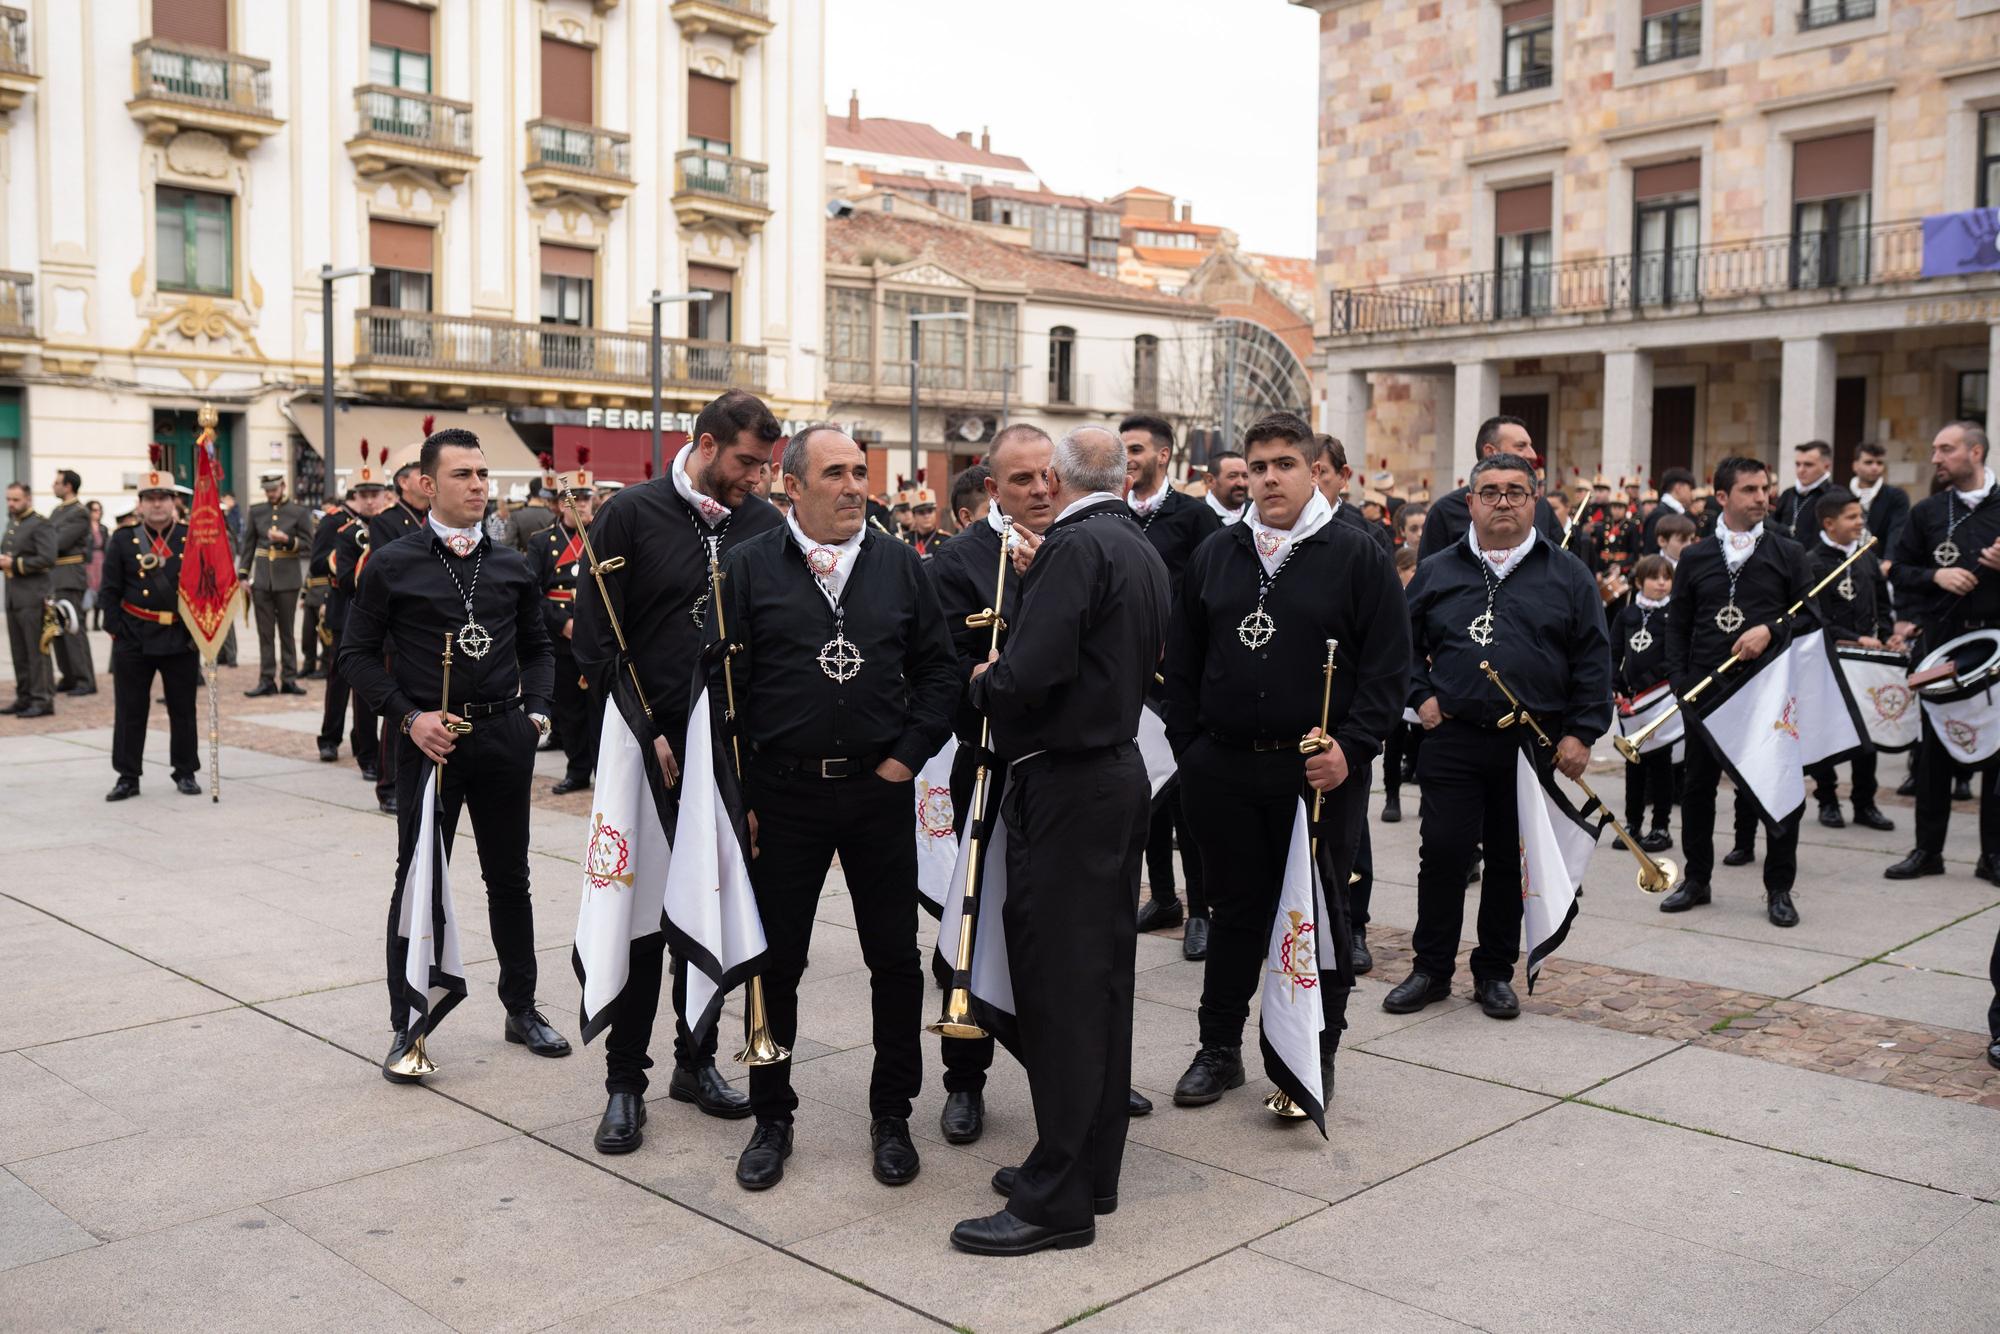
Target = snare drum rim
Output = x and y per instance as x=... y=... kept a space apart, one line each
x=1861 y=653
x=1966 y=684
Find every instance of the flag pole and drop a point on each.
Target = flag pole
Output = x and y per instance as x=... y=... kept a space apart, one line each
x=205 y=443
x=1280 y=1103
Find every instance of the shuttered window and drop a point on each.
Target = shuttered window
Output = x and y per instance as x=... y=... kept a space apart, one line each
x=405 y=27
x=1842 y=164
x=1526 y=209
x=198 y=22
x=400 y=245
x=711 y=113
x=569 y=81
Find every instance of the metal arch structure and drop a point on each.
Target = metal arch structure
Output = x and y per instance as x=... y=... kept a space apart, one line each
x=1255 y=373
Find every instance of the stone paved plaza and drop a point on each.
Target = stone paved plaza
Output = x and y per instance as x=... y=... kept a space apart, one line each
x=1706 y=1123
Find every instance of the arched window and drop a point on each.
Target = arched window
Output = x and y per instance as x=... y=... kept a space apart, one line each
x=1145 y=373
x=1062 y=364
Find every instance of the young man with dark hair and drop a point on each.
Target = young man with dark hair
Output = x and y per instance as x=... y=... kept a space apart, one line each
x=1856 y=609
x=1331 y=475
x=1884 y=508
x=1676 y=493
x=1228 y=485
x=1813 y=464
x=76 y=674
x=968 y=497
x=1451 y=514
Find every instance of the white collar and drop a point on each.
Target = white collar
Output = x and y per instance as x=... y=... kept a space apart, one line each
x=1228 y=516
x=1152 y=502
x=712 y=511
x=1667 y=499
x=1737 y=547
x=1972 y=499
x=831 y=578
x=460 y=541
x=997 y=521
x=1094 y=498
x=1274 y=544
x=1824 y=478
x=1844 y=548
x=1505 y=565
x=1866 y=494
x=1648 y=603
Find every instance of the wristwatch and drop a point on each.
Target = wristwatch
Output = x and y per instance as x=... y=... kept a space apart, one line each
x=541 y=722
x=410 y=719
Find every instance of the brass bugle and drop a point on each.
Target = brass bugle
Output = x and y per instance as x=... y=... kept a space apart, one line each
x=957 y=1020
x=1279 y=1103
x=414 y=1063
x=1628 y=746
x=1656 y=874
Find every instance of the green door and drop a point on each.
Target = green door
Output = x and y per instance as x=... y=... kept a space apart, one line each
x=178 y=431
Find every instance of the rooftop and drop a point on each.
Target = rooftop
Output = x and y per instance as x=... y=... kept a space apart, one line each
x=910 y=138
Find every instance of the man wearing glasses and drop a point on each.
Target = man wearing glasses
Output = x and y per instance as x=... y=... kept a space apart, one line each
x=1504 y=595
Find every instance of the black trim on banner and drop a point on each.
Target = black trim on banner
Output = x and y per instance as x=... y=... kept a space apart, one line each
x=453 y=987
x=1289 y=1083
x=1554 y=942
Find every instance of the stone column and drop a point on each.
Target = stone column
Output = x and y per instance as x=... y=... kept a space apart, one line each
x=1475 y=397
x=1628 y=414
x=1993 y=378
x=1805 y=401
x=1346 y=414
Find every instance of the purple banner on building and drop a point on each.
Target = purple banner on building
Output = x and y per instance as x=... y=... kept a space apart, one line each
x=1967 y=242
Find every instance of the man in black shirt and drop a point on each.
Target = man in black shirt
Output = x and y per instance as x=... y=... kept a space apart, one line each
x=1506 y=596
x=1676 y=493
x=1944 y=568
x=1450 y=515
x=556 y=554
x=404 y=514
x=1812 y=462
x=338 y=545
x=1065 y=696
x=1731 y=591
x=664 y=530
x=1242 y=691
x=140 y=594
x=1884 y=508
x=1175 y=524
x=844 y=686
x=1856 y=610
x=451 y=581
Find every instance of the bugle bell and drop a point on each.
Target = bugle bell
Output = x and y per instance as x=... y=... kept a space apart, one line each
x=759 y=1046
x=414 y=1063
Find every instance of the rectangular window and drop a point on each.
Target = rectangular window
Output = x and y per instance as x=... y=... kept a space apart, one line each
x=1831 y=183
x=193 y=233
x=1826 y=13
x=712 y=319
x=1989 y=159
x=994 y=341
x=711 y=114
x=850 y=334
x=402 y=255
x=1526 y=250
x=1971 y=399
x=1062 y=365
x=569 y=82
x=1668 y=30
x=943 y=346
x=1056 y=230
x=568 y=291
x=1527 y=45
x=1145 y=372
x=1666 y=203
x=399 y=56
x=196 y=22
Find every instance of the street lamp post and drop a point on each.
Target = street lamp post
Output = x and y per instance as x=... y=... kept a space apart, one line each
x=916 y=365
x=658 y=299
x=327 y=276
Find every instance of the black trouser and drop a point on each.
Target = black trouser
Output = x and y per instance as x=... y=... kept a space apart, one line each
x=1075 y=823
x=489 y=773
x=803 y=821
x=966 y=1060
x=579 y=716
x=1935 y=774
x=1650 y=782
x=630 y=1035
x=34 y=682
x=277 y=615
x=132 y=700
x=1402 y=746
x=1361 y=891
x=388 y=746
x=73 y=664
x=1242 y=805
x=1826 y=781
x=1744 y=820
x=309 y=618
x=1467 y=773
x=1169 y=824
x=333 y=716
x=1993 y=974
x=1704 y=780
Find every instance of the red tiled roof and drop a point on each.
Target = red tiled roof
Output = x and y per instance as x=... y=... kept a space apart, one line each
x=1173 y=257
x=1172 y=225
x=1141 y=190
x=1033 y=196
x=898 y=181
x=1284 y=269
x=910 y=138
x=865 y=237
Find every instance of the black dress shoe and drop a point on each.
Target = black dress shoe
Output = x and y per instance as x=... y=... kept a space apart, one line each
x=1003 y=1184
x=568 y=784
x=186 y=786
x=64 y=687
x=1908 y=787
x=1739 y=856
x=1212 y=1073
x=1361 y=961
x=896 y=1161
x=1993 y=1054
x=1829 y=815
x=261 y=689
x=1157 y=914
x=622 y=1128
x=963 y=1119
x=1690 y=894
x=397 y=1046
x=1392 y=810
x=387 y=805
x=1961 y=789
x=123 y=788
x=1868 y=817
x=38 y=711
x=15 y=707
x=529 y=1029
x=1137 y=1103
x=1472 y=872
x=329 y=751
x=1496 y=997
x=1657 y=841
x=762 y=1163
x=291 y=688
x=1778 y=907
x=1194 y=943
x=1004 y=1234
x=1416 y=991
x=78 y=692
x=1987 y=867
x=1917 y=863
x=707 y=1089
x=369 y=773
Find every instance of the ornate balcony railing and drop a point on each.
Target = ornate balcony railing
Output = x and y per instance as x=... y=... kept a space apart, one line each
x=1653 y=283
x=569 y=146
x=1684 y=43
x=507 y=350
x=13 y=41
x=420 y=120
x=201 y=76
x=719 y=176
x=17 y=305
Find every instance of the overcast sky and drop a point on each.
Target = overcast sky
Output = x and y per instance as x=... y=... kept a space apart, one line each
x=1211 y=101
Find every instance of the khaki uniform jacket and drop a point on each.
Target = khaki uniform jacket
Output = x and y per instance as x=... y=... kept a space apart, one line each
x=71 y=522
x=32 y=543
x=277 y=567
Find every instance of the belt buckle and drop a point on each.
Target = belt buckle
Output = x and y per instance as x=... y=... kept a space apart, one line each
x=823 y=764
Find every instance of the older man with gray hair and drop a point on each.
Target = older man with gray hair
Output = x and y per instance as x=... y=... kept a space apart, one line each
x=1064 y=698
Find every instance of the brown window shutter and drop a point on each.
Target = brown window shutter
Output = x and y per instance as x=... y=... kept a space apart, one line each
x=569 y=78
x=568 y=261
x=1668 y=178
x=711 y=108
x=702 y=278
x=400 y=245
x=1650 y=8
x=199 y=22
x=1526 y=209
x=1521 y=11
x=1842 y=164
x=405 y=27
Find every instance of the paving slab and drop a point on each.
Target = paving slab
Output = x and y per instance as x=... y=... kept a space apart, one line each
x=770 y=1290
x=1253 y=1291
x=529 y=1235
x=1536 y=1052
x=1941 y=1000
x=1909 y=1136
x=840 y=1079
x=57 y=982
x=1964 y=947
x=905 y=1252
x=1772 y=1207
x=1947 y=1288
x=1759 y=966
x=240 y=1272
x=39 y=1113
x=32 y=1229
x=1506 y=1260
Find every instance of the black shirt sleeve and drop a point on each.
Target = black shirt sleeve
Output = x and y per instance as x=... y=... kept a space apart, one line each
x=361 y=646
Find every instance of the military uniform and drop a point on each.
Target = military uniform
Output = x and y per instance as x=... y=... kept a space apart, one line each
x=338 y=545
x=277 y=537
x=31 y=541
x=557 y=559
x=141 y=598
x=75 y=672
x=398 y=521
x=314 y=633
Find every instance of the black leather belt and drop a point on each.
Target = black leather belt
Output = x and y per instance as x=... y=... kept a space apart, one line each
x=1255 y=743
x=471 y=711
x=812 y=766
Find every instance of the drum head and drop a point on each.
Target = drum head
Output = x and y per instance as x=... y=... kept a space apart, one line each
x=1974 y=657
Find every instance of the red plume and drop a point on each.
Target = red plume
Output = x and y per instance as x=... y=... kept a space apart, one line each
x=430 y=420
x=649 y=470
x=385 y=455
x=157 y=454
x=582 y=455
x=364 y=449
x=548 y=462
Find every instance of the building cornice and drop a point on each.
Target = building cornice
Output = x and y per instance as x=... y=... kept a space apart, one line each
x=1820 y=97
x=1541 y=149
x=1696 y=122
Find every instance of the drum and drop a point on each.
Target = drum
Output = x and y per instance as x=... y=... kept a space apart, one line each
x=1644 y=707
x=1878 y=678
x=1957 y=683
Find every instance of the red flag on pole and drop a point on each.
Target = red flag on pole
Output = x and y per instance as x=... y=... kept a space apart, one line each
x=209 y=590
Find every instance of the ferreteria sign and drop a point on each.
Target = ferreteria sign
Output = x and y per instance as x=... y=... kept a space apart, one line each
x=633 y=419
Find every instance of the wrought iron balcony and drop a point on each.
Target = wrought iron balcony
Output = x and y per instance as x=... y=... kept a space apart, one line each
x=1829 y=12
x=1681 y=45
x=398 y=128
x=565 y=157
x=432 y=349
x=1647 y=285
x=17 y=77
x=17 y=305
x=716 y=185
x=180 y=87
x=743 y=21
x=1521 y=81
